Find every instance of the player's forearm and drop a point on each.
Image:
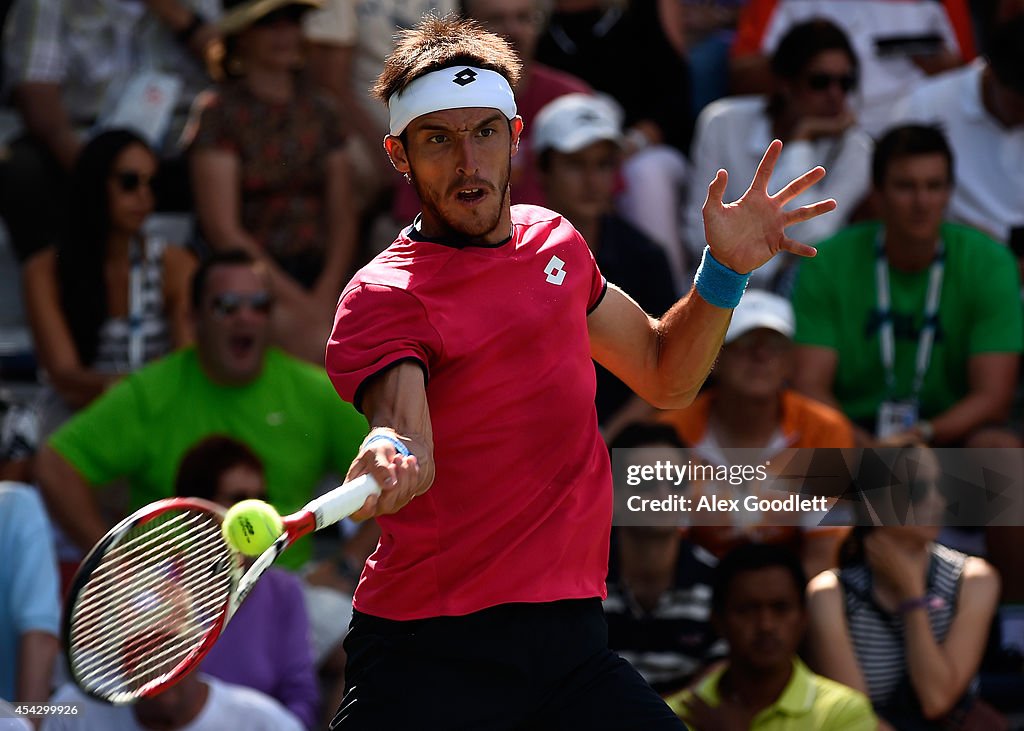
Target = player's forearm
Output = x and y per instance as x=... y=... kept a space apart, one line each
x=37 y=652
x=396 y=403
x=69 y=499
x=689 y=337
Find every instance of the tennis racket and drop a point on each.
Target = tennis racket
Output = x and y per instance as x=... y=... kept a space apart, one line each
x=151 y=598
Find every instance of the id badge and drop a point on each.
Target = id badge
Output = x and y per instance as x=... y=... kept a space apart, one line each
x=895 y=417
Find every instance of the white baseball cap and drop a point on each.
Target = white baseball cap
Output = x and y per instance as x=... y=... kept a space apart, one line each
x=573 y=121
x=760 y=309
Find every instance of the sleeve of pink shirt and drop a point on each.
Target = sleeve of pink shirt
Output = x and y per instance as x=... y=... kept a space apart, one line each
x=376 y=327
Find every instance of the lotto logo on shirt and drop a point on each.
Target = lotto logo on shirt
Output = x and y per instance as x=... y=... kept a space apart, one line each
x=555 y=272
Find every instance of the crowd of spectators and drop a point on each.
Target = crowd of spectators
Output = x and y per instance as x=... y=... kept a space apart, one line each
x=195 y=366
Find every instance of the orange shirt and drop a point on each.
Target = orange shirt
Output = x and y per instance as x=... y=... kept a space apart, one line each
x=805 y=423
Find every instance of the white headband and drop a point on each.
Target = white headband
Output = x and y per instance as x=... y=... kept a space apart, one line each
x=454 y=87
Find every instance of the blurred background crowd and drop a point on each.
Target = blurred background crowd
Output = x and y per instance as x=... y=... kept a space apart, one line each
x=187 y=185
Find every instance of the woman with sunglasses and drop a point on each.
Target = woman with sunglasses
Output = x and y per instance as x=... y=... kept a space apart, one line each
x=905 y=620
x=268 y=170
x=106 y=299
x=815 y=70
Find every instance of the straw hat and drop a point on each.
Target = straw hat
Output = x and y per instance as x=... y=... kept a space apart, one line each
x=240 y=14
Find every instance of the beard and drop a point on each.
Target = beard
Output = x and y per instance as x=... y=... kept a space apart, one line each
x=476 y=224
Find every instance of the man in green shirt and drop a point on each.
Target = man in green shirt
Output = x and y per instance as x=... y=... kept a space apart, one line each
x=229 y=383
x=759 y=608
x=912 y=326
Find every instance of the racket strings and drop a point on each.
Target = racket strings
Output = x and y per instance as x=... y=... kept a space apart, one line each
x=151 y=603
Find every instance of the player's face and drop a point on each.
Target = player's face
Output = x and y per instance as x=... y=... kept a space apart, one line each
x=459 y=160
x=913 y=197
x=581 y=185
x=129 y=191
x=518 y=21
x=755 y=365
x=762 y=620
x=233 y=324
x=823 y=87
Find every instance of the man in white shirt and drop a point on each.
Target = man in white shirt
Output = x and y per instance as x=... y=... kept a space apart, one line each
x=196 y=703
x=981 y=109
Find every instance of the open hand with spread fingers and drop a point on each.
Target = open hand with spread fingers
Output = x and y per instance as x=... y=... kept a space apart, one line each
x=745 y=234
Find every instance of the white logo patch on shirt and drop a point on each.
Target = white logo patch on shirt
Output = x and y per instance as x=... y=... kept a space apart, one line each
x=556 y=275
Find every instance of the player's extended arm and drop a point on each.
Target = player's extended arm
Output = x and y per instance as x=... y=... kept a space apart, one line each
x=69 y=499
x=395 y=404
x=665 y=361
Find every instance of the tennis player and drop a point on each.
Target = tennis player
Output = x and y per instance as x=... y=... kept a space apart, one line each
x=468 y=345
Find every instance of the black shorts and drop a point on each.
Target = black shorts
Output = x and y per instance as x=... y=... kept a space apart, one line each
x=516 y=666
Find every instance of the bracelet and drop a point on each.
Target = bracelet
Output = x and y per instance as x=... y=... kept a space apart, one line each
x=184 y=36
x=718 y=284
x=399 y=447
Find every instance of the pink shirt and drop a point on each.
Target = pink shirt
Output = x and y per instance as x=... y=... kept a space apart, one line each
x=521 y=503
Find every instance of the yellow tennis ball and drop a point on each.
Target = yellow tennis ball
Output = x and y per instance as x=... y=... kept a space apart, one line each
x=251 y=527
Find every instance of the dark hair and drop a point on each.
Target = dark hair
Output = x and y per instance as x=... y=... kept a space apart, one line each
x=437 y=43
x=1005 y=52
x=203 y=465
x=799 y=47
x=908 y=140
x=641 y=434
x=891 y=496
x=82 y=247
x=226 y=258
x=804 y=41
x=754 y=557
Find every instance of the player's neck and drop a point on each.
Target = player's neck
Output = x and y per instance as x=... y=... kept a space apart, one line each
x=434 y=228
x=743 y=422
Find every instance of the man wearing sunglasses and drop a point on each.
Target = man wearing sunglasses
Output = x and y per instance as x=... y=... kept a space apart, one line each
x=816 y=71
x=230 y=383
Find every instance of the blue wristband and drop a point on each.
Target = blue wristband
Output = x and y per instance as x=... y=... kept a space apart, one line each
x=399 y=447
x=718 y=284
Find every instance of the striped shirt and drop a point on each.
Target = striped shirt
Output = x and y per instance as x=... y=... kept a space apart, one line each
x=127 y=343
x=671 y=643
x=877 y=635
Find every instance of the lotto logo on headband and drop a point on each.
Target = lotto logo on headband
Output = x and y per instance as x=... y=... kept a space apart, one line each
x=433 y=92
x=464 y=77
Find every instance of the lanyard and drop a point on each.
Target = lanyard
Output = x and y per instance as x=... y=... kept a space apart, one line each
x=926 y=339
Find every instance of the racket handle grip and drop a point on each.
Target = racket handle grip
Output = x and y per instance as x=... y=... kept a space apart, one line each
x=342 y=501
